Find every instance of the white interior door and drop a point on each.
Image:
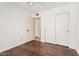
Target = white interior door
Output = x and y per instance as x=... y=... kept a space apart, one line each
x=37 y=27
x=62 y=32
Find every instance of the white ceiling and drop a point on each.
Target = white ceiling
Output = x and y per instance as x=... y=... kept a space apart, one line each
x=49 y=5
x=40 y=6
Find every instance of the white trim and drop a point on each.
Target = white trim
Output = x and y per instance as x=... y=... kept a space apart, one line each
x=15 y=45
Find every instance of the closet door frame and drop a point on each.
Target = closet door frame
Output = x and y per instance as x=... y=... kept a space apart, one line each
x=67 y=27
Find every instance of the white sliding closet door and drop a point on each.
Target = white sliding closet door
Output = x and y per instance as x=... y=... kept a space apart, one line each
x=49 y=29
x=61 y=30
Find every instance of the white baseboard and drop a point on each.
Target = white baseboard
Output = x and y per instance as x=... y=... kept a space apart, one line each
x=15 y=45
x=77 y=51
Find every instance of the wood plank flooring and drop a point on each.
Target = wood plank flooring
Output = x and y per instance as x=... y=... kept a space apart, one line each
x=37 y=48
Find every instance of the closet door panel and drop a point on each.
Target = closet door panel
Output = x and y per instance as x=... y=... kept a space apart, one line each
x=49 y=32
x=43 y=19
x=62 y=20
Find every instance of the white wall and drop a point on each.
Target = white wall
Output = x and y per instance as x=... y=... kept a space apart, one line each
x=77 y=28
x=14 y=23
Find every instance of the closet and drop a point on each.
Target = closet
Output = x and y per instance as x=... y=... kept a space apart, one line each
x=62 y=28
x=58 y=25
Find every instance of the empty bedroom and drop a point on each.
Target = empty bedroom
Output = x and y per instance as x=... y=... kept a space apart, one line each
x=39 y=28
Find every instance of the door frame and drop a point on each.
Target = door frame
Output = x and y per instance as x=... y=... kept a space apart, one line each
x=67 y=25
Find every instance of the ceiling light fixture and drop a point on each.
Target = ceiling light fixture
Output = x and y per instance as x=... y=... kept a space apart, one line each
x=30 y=3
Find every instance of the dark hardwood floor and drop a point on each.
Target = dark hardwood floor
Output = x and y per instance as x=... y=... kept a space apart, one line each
x=37 y=48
